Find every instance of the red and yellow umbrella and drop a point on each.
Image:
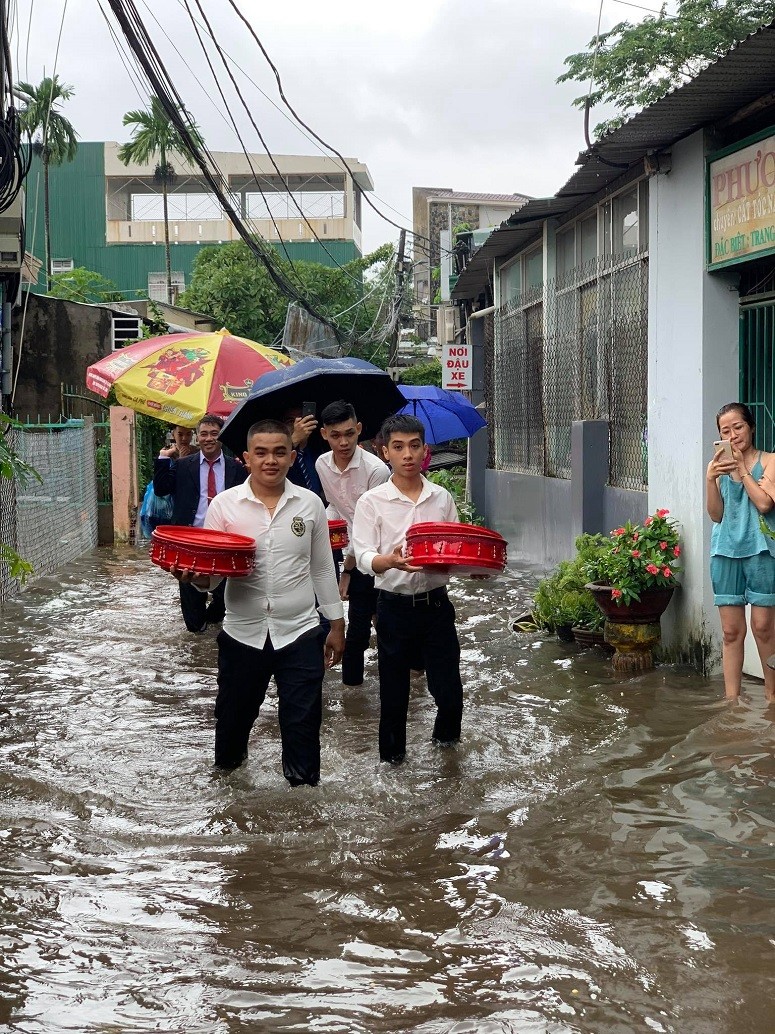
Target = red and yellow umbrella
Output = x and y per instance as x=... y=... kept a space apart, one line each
x=180 y=377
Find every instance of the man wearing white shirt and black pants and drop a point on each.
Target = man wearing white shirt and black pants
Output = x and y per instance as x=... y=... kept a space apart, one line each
x=414 y=613
x=271 y=625
x=346 y=473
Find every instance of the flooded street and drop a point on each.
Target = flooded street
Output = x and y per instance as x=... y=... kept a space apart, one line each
x=594 y=857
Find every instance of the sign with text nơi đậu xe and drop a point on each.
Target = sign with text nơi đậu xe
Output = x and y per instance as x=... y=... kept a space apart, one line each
x=741 y=202
x=456 y=367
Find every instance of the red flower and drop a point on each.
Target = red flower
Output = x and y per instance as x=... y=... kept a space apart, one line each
x=662 y=513
x=667 y=572
x=647 y=523
x=615 y=594
x=618 y=531
x=663 y=545
x=652 y=568
x=635 y=536
x=676 y=550
x=635 y=552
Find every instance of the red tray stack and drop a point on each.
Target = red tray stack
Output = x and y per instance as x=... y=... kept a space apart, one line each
x=458 y=548
x=202 y=551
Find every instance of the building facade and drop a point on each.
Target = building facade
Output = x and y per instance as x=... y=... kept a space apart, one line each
x=625 y=311
x=107 y=216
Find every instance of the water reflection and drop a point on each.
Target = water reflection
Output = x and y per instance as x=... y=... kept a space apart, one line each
x=596 y=857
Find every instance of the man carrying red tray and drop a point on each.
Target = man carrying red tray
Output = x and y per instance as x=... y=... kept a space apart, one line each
x=414 y=614
x=272 y=626
x=346 y=473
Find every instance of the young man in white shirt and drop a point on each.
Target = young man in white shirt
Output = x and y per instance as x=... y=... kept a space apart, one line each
x=271 y=626
x=346 y=473
x=414 y=613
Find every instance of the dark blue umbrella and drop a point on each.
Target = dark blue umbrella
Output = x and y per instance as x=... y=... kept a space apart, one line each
x=371 y=390
x=445 y=414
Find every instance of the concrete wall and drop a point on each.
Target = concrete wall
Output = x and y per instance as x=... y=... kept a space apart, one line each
x=535 y=514
x=60 y=340
x=693 y=370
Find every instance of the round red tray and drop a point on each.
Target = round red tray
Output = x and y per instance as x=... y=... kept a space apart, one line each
x=337 y=533
x=462 y=548
x=203 y=551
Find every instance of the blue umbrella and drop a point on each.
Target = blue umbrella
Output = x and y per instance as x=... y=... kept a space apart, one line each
x=371 y=390
x=445 y=414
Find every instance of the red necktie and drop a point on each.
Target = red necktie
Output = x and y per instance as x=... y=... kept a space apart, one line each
x=212 y=490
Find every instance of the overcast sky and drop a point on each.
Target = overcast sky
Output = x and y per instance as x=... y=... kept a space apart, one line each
x=453 y=93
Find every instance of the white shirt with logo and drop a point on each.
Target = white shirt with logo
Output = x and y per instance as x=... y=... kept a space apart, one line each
x=293 y=565
x=382 y=518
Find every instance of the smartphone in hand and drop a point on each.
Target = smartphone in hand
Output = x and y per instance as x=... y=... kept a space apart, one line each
x=308 y=409
x=726 y=446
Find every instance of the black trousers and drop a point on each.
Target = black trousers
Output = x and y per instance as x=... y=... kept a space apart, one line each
x=361 y=609
x=407 y=630
x=196 y=611
x=243 y=676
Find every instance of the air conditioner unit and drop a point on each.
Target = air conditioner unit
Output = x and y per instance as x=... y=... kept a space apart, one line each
x=11 y=255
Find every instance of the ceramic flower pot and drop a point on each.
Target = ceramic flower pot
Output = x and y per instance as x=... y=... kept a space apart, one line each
x=632 y=628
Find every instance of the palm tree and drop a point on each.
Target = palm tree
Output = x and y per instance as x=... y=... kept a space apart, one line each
x=53 y=137
x=154 y=134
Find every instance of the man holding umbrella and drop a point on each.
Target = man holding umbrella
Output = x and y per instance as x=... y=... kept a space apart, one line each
x=194 y=481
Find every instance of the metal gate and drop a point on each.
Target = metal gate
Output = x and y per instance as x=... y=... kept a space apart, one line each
x=757 y=376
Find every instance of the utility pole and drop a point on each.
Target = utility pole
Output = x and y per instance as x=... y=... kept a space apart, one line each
x=393 y=352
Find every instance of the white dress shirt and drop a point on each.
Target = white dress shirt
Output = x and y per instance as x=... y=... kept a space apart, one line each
x=382 y=519
x=219 y=466
x=343 y=488
x=293 y=565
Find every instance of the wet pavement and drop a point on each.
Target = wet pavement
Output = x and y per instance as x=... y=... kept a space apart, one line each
x=594 y=857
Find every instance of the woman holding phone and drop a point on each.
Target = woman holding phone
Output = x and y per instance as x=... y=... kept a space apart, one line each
x=742 y=565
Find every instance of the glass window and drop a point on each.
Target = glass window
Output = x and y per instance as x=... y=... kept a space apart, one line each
x=534 y=269
x=510 y=283
x=588 y=239
x=565 y=257
x=625 y=223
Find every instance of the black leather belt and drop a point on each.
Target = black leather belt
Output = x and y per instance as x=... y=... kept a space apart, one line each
x=418 y=599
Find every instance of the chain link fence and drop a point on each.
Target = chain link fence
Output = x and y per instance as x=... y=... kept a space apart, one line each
x=574 y=351
x=51 y=522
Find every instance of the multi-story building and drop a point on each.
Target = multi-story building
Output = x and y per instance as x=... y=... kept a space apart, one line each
x=436 y=213
x=107 y=216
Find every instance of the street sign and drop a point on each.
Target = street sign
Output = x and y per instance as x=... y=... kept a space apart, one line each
x=456 y=367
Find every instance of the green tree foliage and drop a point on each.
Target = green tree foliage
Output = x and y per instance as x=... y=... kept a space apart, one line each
x=153 y=135
x=637 y=63
x=84 y=285
x=53 y=137
x=13 y=468
x=423 y=373
x=232 y=286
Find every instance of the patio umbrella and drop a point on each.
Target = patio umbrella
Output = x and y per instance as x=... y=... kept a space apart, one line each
x=371 y=390
x=180 y=377
x=445 y=414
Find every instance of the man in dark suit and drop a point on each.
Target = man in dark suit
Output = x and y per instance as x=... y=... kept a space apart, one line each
x=194 y=481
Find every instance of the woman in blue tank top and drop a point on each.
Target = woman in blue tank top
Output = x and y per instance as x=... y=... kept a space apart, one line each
x=742 y=557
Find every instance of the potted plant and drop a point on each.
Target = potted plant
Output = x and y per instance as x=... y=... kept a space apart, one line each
x=632 y=581
x=563 y=604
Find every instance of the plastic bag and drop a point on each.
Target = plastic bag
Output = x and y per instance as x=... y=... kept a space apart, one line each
x=155 y=509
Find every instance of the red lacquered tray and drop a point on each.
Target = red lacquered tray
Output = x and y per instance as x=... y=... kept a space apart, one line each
x=337 y=533
x=460 y=548
x=202 y=550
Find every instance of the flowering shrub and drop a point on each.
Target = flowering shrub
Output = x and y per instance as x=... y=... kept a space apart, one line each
x=638 y=557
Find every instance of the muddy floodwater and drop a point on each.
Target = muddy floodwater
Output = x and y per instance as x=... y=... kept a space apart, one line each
x=594 y=857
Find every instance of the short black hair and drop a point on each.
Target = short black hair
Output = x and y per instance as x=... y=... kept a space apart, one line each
x=402 y=423
x=338 y=413
x=211 y=418
x=269 y=427
x=741 y=408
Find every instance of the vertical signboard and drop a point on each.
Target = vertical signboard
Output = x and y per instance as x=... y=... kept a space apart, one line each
x=456 y=367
